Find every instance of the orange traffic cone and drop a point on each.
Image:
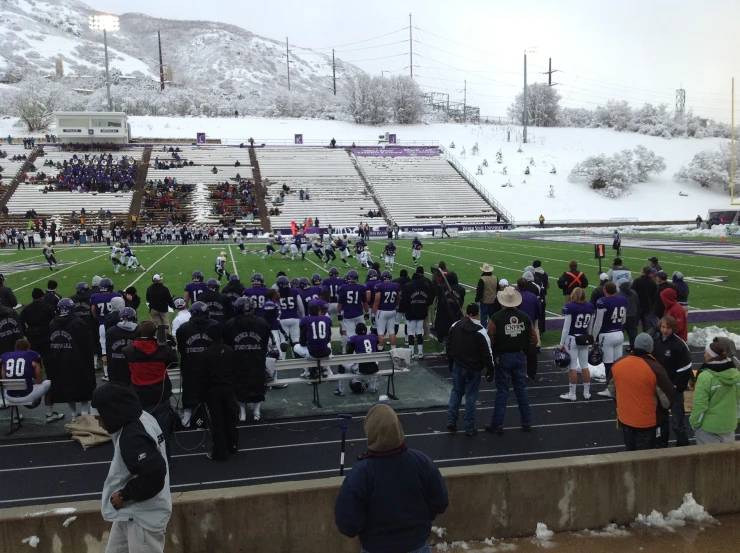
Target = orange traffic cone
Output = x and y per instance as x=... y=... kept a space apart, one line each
x=722 y=239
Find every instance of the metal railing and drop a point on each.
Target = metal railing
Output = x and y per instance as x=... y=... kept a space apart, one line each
x=341 y=142
x=477 y=186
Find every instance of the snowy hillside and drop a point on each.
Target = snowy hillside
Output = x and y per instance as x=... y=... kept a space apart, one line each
x=655 y=200
x=33 y=33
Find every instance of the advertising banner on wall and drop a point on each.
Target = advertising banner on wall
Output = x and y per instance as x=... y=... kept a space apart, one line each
x=298 y=139
x=201 y=138
x=397 y=151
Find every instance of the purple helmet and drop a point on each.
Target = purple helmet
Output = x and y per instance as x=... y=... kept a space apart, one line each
x=234 y=278
x=304 y=283
x=213 y=284
x=199 y=309
x=372 y=274
x=197 y=276
x=243 y=306
x=386 y=276
x=83 y=287
x=352 y=276
x=316 y=279
x=257 y=278
x=128 y=314
x=295 y=282
x=333 y=272
x=106 y=285
x=65 y=307
x=561 y=358
x=283 y=282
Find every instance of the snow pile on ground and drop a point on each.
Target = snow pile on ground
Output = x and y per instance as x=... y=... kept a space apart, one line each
x=598 y=372
x=440 y=532
x=543 y=534
x=689 y=511
x=68 y=521
x=610 y=531
x=689 y=231
x=701 y=337
x=33 y=541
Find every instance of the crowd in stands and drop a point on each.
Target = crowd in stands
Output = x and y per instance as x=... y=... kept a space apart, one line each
x=175 y=162
x=235 y=200
x=89 y=174
x=95 y=147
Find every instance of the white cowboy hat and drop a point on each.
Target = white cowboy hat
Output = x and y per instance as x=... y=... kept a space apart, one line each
x=510 y=297
x=487 y=268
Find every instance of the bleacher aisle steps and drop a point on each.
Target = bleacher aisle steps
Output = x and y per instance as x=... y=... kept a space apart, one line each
x=260 y=191
x=140 y=187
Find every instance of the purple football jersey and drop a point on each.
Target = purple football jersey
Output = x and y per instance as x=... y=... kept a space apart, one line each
x=388 y=291
x=289 y=304
x=18 y=365
x=258 y=295
x=364 y=343
x=317 y=331
x=581 y=316
x=351 y=296
x=271 y=313
x=615 y=313
x=333 y=284
x=195 y=289
x=101 y=301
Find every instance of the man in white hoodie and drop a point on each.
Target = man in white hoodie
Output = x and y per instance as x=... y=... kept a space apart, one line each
x=136 y=494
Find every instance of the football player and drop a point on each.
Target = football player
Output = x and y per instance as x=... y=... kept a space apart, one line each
x=416 y=247
x=194 y=289
x=270 y=248
x=49 y=255
x=352 y=306
x=220 y=266
x=132 y=262
x=332 y=284
x=365 y=258
x=387 y=299
x=390 y=255
x=240 y=242
x=115 y=255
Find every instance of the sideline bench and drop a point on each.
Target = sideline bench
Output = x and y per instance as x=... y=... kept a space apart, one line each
x=319 y=364
x=15 y=415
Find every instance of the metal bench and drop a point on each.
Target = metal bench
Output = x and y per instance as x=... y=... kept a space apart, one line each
x=15 y=415
x=319 y=364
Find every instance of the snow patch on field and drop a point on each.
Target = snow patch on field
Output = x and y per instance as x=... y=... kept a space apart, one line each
x=33 y=541
x=689 y=512
x=610 y=531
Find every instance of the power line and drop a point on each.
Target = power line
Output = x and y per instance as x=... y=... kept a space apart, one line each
x=357 y=42
x=370 y=47
x=469 y=72
x=381 y=58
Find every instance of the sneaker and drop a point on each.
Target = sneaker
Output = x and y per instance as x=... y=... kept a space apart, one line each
x=586 y=395
x=305 y=374
x=604 y=393
x=451 y=427
x=242 y=413
x=256 y=417
x=420 y=356
x=105 y=378
x=373 y=390
x=54 y=417
x=498 y=430
x=471 y=432
x=568 y=397
x=186 y=414
x=17 y=419
x=277 y=386
x=337 y=392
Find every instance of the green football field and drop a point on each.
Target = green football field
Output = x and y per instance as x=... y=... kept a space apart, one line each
x=24 y=270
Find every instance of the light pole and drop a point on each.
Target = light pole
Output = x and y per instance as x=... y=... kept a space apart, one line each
x=525 y=114
x=105 y=23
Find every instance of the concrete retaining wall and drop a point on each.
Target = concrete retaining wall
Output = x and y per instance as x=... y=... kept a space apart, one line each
x=499 y=500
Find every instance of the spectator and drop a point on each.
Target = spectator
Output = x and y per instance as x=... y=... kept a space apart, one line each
x=531 y=306
x=159 y=298
x=391 y=496
x=485 y=293
x=117 y=338
x=653 y=261
x=646 y=290
x=572 y=279
x=598 y=292
x=619 y=272
x=672 y=309
x=469 y=352
x=217 y=384
x=7 y=297
x=136 y=493
x=148 y=363
x=633 y=311
x=131 y=297
x=51 y=297
x=449 y=305
x=643 y=393
x=511 y=342
x=674 y=356
x=714 y=415
x=682 y=291
x=661 y=279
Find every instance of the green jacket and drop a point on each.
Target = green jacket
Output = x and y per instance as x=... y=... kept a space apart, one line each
x=717 y=398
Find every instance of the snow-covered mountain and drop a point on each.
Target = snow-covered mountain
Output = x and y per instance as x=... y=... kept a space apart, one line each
x=34 y=33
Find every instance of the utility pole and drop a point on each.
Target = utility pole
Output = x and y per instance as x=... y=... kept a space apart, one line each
x=524 y=115
x=465 y=102
x=411 y=49
x=333 y=71
x=287 y=59
x=161 y=67
x=549 y=74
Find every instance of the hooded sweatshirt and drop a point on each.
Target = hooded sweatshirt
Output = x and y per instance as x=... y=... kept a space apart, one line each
x=148 y=364
x=391 y=496
x=716 y=398
x=469 y=346
x=633 y=300
x=673 y=309
x=139 y=466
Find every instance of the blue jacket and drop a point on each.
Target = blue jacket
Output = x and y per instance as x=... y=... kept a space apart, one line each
x=390 y=499
x=530 y=305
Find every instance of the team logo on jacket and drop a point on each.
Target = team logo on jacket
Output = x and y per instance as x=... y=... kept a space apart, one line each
x=514 y=328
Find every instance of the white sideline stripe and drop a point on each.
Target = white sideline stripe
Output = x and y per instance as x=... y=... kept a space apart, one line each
x=302 y=444
x=61 y=271
x=138 y=278
x=233 y=261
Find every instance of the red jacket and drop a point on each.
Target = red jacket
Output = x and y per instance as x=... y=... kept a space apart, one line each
x=672 y=308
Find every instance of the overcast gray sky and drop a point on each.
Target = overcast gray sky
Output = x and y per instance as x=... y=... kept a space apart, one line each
x=636 y=50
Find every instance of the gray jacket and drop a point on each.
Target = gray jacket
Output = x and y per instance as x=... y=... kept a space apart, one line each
x=633 y=300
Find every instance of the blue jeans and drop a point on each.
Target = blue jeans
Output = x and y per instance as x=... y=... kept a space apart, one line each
x=511 y=367
x=486 y=309
x=461 y=386
x=423 y=549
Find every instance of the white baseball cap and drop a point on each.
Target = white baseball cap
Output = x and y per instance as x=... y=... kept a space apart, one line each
x=156 y=278
x=603 y=276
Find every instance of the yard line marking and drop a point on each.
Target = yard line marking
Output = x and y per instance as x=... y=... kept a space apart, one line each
x=61 y=271
x=233 y=261
x=317 y=265
x=152 y=266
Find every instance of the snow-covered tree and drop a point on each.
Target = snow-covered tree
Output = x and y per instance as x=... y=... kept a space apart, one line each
x=36 y=101
x=405 y=99
x=615 y=114
x=710 y=167
x=613 y=175
x=59 y=66
x=575 y=117
x=543 y=106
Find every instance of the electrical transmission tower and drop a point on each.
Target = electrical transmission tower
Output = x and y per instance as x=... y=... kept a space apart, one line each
x=680 y=104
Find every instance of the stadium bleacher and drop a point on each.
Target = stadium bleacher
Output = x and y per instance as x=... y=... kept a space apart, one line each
x=329 y=176
x=423 y=191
